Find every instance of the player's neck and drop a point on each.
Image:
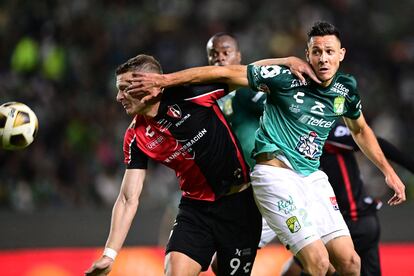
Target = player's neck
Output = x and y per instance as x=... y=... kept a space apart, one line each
x=152 y=110
x=327 y=82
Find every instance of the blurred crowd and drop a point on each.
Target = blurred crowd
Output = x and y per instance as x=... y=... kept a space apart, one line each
x=59 y=58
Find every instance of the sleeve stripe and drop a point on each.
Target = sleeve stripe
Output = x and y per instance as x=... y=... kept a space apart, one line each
x=206 y=94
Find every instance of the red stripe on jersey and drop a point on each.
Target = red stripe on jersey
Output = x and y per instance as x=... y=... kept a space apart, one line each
x=182 y=161
x=208 y=99
x=220 y=115
x=347 y=182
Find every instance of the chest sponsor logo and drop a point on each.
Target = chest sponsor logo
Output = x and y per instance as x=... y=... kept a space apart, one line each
x=318 y=108
x=312 y=121
x=339 y=105
x=293 y=224
x=340 y=89
x=309 y=145
x=155 y=143
x=186 y=149
x=174 y=111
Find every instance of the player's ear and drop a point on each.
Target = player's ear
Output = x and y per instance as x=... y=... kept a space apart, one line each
x=238 y=57
x=342 y=52
x=307 y=55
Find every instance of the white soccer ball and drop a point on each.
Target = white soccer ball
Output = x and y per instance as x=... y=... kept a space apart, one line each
x=18 y=126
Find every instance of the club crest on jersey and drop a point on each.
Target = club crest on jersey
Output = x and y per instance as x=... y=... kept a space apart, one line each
x=293 y=224
x=174 y=111
x=334 y=203
x=339 y=105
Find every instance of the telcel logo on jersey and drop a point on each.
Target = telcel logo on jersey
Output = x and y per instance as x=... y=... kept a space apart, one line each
x=312 y=121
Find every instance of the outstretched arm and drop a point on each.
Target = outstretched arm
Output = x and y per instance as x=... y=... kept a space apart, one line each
x=123 y=213
x=367 y=142
x=234 y=75
x=152 y=84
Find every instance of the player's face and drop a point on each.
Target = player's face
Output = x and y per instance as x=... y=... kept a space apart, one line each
x=223 y=51
x=132 y=105
x=324 y=53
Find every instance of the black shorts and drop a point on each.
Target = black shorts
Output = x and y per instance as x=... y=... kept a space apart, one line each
x=365 y=233
x=230 y=226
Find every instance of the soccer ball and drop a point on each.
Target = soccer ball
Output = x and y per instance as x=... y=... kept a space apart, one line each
x=18 y=126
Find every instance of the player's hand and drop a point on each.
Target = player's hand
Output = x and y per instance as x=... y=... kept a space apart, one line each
x=149 y=84
x=394 y=182
x=300 y=67
x=101 y=267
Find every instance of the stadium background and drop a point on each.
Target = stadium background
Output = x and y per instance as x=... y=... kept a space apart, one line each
x=59 y=57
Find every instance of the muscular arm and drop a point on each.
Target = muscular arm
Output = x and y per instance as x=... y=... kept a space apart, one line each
x=367 y=142
x=234 y=75
x=123 y=213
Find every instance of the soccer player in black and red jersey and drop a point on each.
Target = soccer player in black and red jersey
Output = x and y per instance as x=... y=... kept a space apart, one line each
x=357 y=207
x=185 y=130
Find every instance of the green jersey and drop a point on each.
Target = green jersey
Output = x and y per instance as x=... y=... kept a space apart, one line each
x=243 y=110
x=297 y=118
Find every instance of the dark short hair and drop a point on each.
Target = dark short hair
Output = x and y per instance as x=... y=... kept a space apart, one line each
x=221 y=34
x=142 y=62
x=322 y=28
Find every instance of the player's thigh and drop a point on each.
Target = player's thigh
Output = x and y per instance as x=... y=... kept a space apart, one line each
x=179 y=264
x=370 y=262
x=237 y=233
x=191 y=236
x=327 y=217
x=284 y=205
x=268 y=234
x=365 y=233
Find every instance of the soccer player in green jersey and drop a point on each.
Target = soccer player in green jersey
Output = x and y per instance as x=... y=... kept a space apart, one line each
x=242 y=107
x=293 y=196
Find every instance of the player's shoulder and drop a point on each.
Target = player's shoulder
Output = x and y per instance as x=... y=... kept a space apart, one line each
x=269 y=71
x=346 y=80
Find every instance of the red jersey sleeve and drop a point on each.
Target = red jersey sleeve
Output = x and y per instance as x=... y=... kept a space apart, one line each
x=134 y=158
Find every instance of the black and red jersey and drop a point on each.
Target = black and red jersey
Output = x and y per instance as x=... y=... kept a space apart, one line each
x=339 y=163
x=190 y=135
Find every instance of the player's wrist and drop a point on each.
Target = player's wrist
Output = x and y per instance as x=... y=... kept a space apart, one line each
x=110 y=253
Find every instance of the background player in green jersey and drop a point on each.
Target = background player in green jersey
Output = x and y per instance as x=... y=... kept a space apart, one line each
x=244 y=106
x=293 y=196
